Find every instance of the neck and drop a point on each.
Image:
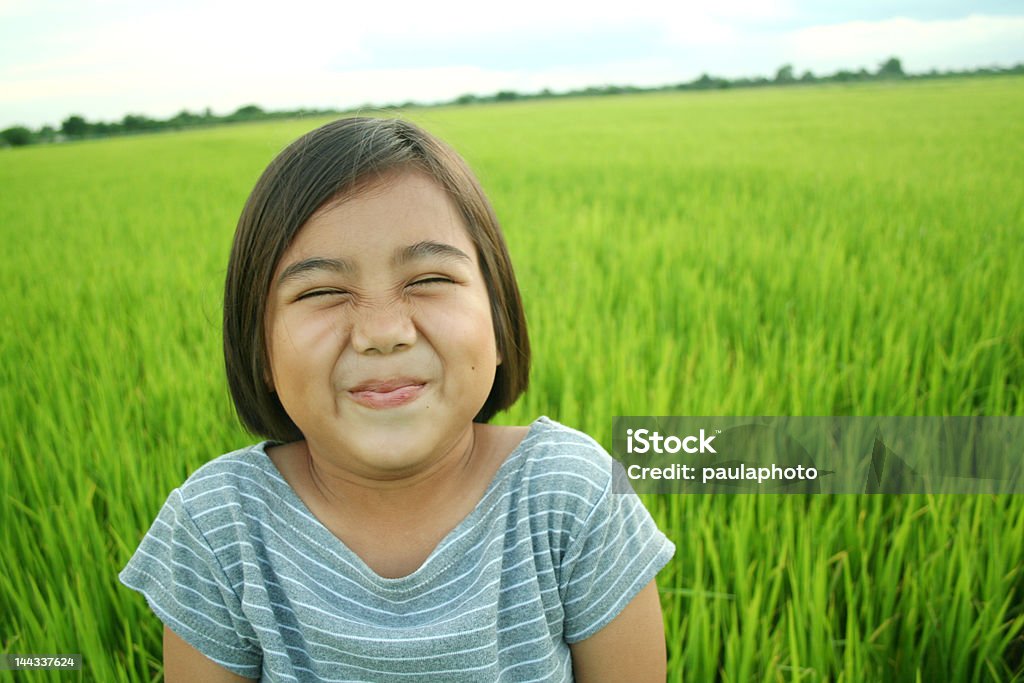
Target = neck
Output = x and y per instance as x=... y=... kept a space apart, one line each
x=405 y=491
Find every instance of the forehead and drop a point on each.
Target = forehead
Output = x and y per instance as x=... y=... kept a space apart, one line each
x=394 y=212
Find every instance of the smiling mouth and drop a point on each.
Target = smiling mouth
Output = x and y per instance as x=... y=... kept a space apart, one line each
x=387 y=394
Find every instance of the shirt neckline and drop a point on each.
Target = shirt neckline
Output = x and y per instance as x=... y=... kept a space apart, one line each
x=448 y=550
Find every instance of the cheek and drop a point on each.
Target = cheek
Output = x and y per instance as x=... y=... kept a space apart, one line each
x=468 y=326
x=296 y=342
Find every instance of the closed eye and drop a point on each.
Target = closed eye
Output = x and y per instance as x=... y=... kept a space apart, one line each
x=320 y=293
x=434 y=279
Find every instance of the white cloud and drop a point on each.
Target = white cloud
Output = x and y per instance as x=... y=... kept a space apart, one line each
x=970 y=41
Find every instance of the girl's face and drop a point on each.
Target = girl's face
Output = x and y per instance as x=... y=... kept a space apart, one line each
x=379 y=330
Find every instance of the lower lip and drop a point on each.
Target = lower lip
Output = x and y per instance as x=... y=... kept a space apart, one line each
x=388 y=399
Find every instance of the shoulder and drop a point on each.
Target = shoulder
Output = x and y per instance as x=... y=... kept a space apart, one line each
x=235 y=470
x=562 y=466
x=552 y=444
x=236 y=487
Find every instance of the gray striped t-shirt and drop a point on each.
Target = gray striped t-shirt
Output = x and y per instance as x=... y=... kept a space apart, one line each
x=238 y=567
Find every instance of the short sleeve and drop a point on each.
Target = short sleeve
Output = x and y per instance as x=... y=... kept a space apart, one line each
x=181 y=578
x=618 y=552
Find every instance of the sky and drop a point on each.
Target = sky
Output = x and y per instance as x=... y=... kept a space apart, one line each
x=102 y=59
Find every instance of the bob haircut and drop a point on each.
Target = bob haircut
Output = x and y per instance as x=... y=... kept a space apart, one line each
x=335 y=162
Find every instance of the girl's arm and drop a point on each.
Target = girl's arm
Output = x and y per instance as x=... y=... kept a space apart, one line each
x=630 y=648
x=185 y=664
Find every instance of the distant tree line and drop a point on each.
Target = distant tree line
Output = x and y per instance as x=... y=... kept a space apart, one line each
x=76 y=127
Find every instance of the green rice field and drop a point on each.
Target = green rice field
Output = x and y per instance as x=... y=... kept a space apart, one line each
x=821 y=250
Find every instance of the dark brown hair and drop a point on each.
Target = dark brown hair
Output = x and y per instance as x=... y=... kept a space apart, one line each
x=332 y=162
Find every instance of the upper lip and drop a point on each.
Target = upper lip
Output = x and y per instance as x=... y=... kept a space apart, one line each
x=382 y=386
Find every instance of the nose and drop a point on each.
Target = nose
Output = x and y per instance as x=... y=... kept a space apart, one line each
x=383 y=329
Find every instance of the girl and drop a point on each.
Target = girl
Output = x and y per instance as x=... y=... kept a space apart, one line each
x=384 y=530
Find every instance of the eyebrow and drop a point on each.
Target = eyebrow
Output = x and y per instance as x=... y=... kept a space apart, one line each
x=415 y=252
x=428 y=249
x=300 y=268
